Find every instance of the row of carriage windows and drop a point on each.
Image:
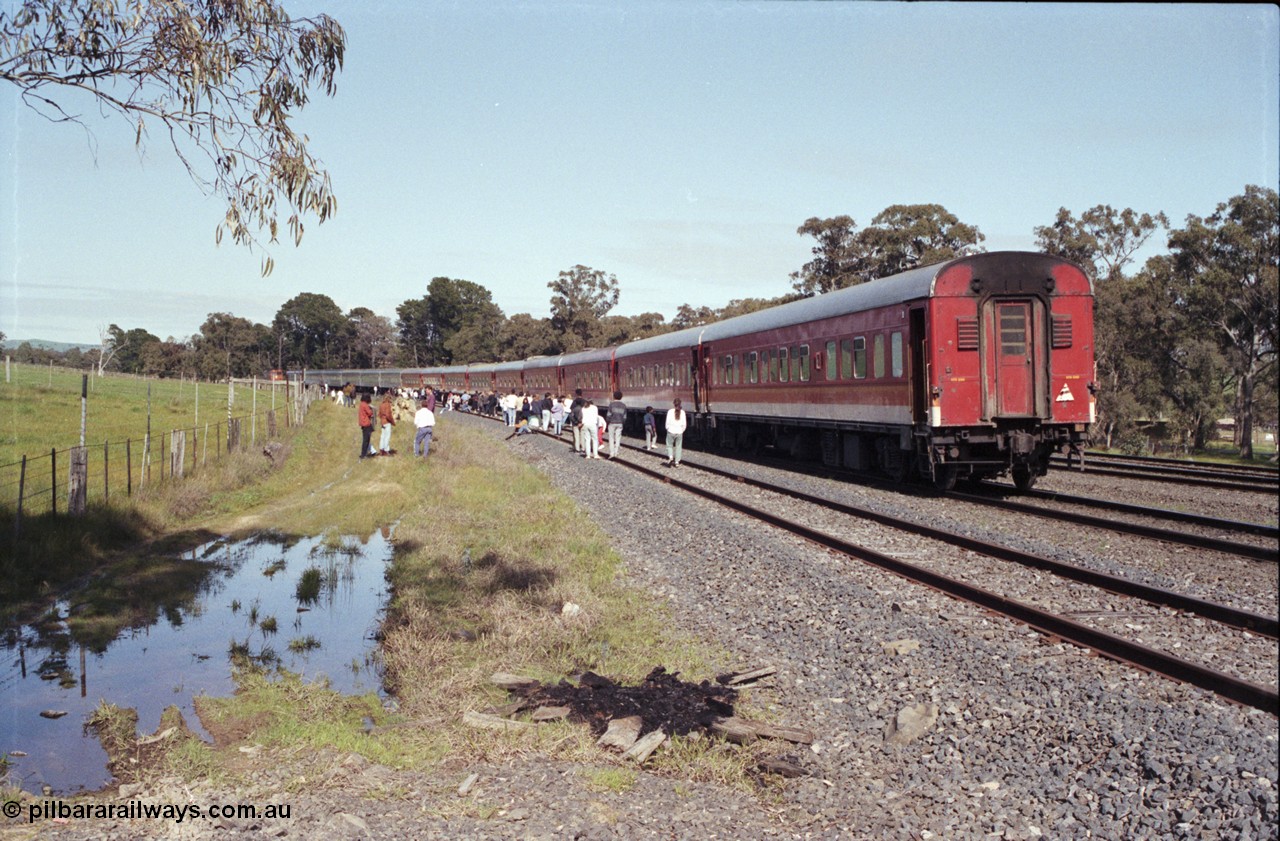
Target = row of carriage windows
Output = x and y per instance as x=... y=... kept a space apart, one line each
x=844 y=359
x=669 y=374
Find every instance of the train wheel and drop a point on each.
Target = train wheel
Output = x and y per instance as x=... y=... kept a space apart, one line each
x=1023 y=478
x=944 y=477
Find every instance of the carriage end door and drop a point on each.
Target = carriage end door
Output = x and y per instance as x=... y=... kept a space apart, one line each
x=1015 y=359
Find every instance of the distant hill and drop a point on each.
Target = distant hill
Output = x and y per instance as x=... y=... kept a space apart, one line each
x=61 y=347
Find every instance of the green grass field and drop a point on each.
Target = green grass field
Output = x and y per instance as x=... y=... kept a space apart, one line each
x=40 y=412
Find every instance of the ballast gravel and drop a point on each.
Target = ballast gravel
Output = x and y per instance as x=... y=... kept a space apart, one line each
x=934 y=720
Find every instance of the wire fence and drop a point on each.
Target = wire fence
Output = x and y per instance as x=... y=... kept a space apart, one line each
x=69 y=480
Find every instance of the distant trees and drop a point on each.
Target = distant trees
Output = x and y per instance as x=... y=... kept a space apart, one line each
x=309 y=329
x=901 y=237
x=1193 y=334
x=370 y=339
x=456 y=319
x=229 y=346
x=1227 y=265
x=221 y=78
x=1103 y=241
x=580 y=298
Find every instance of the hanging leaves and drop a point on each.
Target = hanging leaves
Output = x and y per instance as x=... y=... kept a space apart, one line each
x=221 y=77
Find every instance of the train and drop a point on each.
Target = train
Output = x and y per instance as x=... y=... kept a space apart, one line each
x=974 y=368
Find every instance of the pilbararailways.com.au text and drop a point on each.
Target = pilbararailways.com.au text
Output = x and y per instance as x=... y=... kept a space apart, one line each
x=50 y=809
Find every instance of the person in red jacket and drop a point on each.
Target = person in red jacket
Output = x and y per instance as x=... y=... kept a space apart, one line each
x=366 y=425
x=386 y=417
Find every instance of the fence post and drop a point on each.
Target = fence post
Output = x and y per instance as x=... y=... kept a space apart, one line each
x=77 y=481
x=106 y=471
x=128 y=466
x=22 y=484
x=53 y=489
x=177 y=453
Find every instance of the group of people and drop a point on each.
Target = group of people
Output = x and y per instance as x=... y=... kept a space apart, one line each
x=389 y=411
x=590 y=424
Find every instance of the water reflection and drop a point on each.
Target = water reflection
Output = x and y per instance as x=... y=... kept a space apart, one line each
x=227 y=603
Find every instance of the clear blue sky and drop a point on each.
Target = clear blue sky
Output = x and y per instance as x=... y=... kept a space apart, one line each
x=675 y=145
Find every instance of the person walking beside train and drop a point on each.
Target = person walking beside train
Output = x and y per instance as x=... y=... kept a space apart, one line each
x=590 y=429
x=365 y=418
x=575 y=419
x=386 y=417
x=677 y=420
x=617 y=416
x=558 y=410
x=424 y=422
x=650 y=429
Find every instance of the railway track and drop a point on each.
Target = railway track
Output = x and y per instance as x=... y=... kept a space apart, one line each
x=1177 y=475
x=1267 y=553
x=1253 y=470
x=1055 y=625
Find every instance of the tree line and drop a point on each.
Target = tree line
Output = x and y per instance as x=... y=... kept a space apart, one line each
x=1185 y=339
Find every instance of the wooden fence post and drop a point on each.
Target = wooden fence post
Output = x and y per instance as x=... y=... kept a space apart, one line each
x=128 y=466
x=53 y=466
x=177 y=453
x=78 y=481
x=106 y=471
x=22 y=484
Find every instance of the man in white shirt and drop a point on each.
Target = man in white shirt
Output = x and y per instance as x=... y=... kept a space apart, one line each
x=591 y=429
x=424 y=420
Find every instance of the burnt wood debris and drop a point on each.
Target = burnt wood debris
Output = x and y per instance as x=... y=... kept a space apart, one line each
x=637 y=720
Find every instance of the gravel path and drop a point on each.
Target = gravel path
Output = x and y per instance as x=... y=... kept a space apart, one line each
x=1019 y=737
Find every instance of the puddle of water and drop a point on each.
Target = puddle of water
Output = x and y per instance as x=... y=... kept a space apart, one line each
x=327 y=605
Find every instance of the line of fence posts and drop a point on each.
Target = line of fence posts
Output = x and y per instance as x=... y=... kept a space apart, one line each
x=78 y=476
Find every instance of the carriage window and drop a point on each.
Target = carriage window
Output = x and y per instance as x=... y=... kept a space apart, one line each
x=846 y=358
x=783 y=365
x=896 y=351
x=772 y=373
x=877 y=357
x=753 y=367
x=671 y=373
x=831 y=360
x=860 y=358
x=1013 y=332
x=801 y=360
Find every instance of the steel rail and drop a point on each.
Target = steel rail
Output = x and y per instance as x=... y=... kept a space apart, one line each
x=1244 y=485
x=1151 y=532
x=1247 y=470
x=1215 y=544
x=1265 y=625
x=1258 y=529
x=1107 y=644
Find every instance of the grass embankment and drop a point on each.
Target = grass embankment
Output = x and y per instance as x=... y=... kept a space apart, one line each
x=486 y=555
